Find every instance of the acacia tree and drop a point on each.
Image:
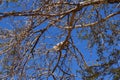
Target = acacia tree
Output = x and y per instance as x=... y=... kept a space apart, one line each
x=56 y=39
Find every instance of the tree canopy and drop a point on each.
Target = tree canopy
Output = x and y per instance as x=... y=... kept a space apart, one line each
x=60 y=39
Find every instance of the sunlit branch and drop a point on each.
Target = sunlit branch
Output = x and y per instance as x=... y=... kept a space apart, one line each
x=102 y=20
x=94 y=23
x=36 y=13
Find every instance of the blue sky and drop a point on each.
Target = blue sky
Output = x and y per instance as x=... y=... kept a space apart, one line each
x=89 y=55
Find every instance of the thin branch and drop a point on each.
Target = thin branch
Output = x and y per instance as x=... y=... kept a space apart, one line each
x=85 y=64
x=102 y=20
x=60 y=54
x=97 y=22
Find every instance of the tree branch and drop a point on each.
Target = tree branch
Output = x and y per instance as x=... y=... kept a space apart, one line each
x=36 y=13
x=97 y=22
